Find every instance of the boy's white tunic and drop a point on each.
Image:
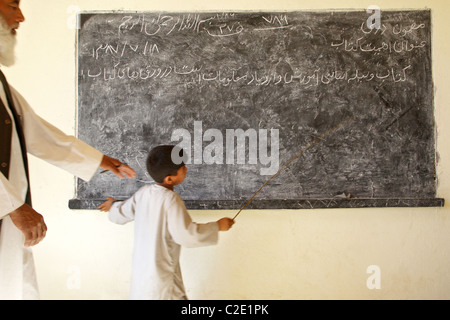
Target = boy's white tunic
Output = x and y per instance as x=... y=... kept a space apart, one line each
x=17 y=271
x=162 y=226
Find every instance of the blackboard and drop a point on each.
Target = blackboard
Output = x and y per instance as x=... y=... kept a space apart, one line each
x=241 y=90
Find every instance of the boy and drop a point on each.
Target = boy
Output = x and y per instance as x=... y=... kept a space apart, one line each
x=162 y=226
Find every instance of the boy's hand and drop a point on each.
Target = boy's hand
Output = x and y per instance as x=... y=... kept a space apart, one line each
x=105 y=206
x=225 y=224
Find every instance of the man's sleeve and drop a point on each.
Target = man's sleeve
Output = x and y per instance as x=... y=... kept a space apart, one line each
x=9 y=198
x=187 y=233
x=52 y=145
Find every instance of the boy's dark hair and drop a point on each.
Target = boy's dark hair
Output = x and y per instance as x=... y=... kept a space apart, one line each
x=162 y=162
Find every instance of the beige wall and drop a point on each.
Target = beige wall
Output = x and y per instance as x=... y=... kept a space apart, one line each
x=275 y=254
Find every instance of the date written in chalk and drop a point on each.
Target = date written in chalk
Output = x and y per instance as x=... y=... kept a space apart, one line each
x=237 y=309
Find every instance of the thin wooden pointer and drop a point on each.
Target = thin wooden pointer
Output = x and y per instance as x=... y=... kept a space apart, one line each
x=323 y=136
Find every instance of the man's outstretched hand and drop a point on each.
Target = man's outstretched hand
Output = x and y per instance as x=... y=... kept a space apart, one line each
x=118 y=168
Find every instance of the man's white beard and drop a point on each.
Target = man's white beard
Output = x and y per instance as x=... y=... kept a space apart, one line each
x=7 y=44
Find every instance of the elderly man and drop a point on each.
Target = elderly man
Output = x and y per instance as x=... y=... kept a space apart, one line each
x=22 y=131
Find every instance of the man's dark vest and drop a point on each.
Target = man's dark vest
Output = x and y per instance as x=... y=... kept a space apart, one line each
x=6 y=136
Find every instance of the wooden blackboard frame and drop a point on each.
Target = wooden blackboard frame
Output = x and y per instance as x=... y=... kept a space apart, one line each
x=332 y=203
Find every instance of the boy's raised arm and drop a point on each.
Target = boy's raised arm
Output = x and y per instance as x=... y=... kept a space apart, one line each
x=120 y=212
x=187 y=233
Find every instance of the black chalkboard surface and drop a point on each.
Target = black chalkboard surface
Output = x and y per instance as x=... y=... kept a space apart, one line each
x=243 y=92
